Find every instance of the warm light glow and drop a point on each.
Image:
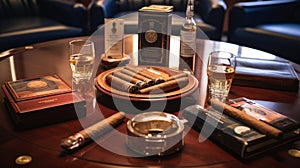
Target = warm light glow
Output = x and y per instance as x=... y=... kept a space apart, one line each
x=174 y=52
x=135 y=53
x=12 y=68
x=257 y=54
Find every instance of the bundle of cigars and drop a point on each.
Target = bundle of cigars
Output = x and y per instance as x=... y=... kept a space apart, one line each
x=145 y=80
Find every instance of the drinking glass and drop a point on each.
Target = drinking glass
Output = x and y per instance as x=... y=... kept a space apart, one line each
x=220 y=71
x=82 y=55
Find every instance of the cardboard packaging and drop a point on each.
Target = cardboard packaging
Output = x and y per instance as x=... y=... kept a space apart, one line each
x=154 y=24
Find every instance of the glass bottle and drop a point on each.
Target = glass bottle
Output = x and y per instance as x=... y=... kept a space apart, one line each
x=188 y=40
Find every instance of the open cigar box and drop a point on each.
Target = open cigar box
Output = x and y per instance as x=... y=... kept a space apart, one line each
x=41 y=101
x=136 y=88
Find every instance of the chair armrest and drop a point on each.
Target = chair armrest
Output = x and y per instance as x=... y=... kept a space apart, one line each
x=212 y=12
x=259 y=12
x=66 y=12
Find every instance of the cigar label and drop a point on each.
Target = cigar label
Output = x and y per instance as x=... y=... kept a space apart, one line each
x=121 y=84
x=84 y=136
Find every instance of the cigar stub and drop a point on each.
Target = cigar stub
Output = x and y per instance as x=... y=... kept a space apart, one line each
x=94 y=131
x=121 y=84
x=248 y=120
x=166 y=86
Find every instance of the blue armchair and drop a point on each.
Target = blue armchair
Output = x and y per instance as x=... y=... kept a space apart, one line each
x=31 y=21
x=209 y=14
x=272 y=26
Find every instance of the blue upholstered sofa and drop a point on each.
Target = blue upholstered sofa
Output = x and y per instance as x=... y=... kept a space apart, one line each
x=209 y=14
x=23 y=22
x=272 y=26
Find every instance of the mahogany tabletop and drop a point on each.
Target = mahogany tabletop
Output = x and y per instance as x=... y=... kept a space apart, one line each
x=43 y=143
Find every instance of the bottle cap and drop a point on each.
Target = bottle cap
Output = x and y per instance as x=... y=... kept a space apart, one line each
x=190 y=9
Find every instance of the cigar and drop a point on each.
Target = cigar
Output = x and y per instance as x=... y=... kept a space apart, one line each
x=121 y=84
x=248 y=120
x=84 y=136
x=159 y=73
x=166 y=86
x=177 y=76
x=135 y=81
x=148 y=81
x=154 y=77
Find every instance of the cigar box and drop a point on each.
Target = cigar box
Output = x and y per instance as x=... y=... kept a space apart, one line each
x=232 y=135
x=41 y=101
x=154 y=24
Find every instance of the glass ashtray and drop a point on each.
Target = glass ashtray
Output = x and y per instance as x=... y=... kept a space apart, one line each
x=155 y=133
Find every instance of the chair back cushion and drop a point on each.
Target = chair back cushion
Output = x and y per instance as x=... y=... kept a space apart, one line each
x=297 y=13
x=17 y=8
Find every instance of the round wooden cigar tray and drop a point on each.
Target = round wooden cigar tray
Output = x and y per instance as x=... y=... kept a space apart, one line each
x=104 y=87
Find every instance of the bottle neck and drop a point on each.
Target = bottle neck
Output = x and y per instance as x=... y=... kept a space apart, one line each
x=190 y=9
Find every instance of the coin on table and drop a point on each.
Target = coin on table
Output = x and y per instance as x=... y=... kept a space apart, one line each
x=24 y=159
x=294 y=152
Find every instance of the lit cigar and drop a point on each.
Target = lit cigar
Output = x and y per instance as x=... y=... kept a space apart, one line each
x=121 y=84
x=166 y=86
x=84 y=136
x=135 y=81
x=248 y=120
x=148 y=74
x=149 y=81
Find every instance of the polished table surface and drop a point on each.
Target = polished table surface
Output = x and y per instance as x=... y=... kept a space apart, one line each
x=43 y=144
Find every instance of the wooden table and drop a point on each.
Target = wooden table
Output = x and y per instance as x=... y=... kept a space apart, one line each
x=43 y=144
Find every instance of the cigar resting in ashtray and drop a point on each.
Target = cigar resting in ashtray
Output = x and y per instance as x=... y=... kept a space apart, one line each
x=120 y=84
x=135 y=81
x=148 y=74
x=132 y=74
x=245 y=118
x=84 y=136
x=166 y=86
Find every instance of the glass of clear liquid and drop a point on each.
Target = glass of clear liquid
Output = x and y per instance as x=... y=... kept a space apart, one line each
x=220 y=72
x=82 y=56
